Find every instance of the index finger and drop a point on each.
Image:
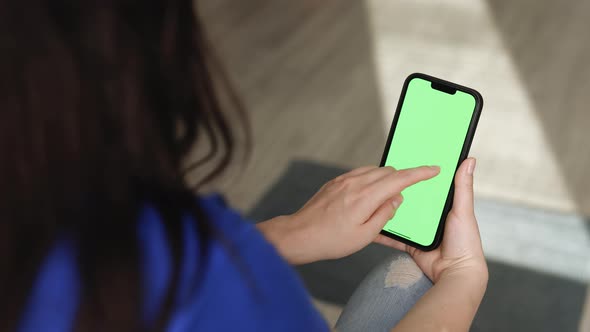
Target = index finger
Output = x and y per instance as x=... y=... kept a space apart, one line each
x=391 y=185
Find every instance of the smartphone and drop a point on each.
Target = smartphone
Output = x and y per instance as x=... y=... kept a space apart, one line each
x=434 y=124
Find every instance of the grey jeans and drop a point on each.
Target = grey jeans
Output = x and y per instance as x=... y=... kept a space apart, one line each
x=384 y=296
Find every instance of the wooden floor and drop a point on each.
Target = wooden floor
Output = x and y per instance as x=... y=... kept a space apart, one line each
x=549 y=45
x=321 y=80
x=305 y=70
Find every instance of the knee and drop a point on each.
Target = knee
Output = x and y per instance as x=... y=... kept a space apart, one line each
x=385 y=295
x=401 y=272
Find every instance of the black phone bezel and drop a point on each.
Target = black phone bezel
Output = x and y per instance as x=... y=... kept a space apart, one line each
x=464 y=151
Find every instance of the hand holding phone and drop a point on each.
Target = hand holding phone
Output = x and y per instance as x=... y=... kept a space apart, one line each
x=457 y=268
x=460 y=252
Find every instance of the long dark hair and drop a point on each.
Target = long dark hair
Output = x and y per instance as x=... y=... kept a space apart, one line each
x=100 y=104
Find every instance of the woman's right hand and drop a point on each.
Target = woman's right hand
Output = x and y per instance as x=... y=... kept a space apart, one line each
x=460 y=252
x=345 y=215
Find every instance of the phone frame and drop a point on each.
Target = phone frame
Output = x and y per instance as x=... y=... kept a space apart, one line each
x=463 y=155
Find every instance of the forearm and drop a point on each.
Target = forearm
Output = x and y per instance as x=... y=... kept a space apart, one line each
x=449 y=305
x=287 y=238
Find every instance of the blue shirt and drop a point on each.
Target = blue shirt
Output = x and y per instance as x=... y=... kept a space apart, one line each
x=263 y=294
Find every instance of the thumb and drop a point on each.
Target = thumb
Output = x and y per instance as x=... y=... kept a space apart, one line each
x=463 y=199
x=383 y=214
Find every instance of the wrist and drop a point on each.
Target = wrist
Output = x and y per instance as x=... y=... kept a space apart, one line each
x=472 y=278
x=451 y=303
x=288 y=238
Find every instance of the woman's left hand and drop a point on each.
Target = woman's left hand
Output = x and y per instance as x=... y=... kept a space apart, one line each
x=345 y=215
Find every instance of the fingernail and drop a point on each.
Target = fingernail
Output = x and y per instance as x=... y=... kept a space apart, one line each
x=435 y=167
x=471 y=166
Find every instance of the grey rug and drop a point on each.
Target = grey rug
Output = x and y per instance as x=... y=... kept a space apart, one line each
x=517 y=299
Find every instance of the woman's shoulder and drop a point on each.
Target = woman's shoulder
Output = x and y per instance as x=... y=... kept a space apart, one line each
x=223 y=216
x=238 y=274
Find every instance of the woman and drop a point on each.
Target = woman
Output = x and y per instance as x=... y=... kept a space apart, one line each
x=101 y=103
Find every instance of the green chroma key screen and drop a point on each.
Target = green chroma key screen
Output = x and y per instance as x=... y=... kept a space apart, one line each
x=431 y=130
